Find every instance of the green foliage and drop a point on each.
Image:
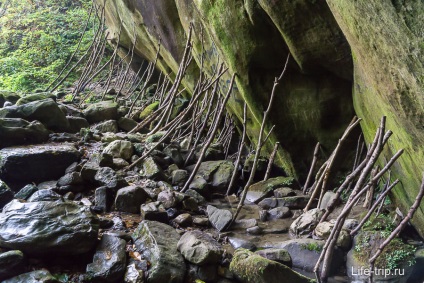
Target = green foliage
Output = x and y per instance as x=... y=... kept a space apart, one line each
x=312 y=247
x=37 y=38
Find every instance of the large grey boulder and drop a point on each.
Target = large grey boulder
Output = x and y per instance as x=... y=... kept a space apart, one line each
x=252 y=268
x=157 y=243
x=109 y=178
x=48 y=227
x=120 y=149
x=16 y=131
x=38 y=276
x=200 y=248
x=37 y=163
x=306 y=223
x=46 y=111
x=219 y=218
x=305 y=253
x=129 y=199
x=279 y=255
x=294 y=202
x=263 y=189
x=217 y=174
x=109 y=261
x=101 y=111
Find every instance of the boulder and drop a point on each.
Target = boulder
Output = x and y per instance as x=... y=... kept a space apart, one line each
x=252 y=268
x=151 y=169
x=279 y=255
x=47 y=228
x=26 y=192
x=296 y=202
x=328 y=197
x=12 y=263
x=120 y=149
x=284 y=192
x=179 y=177
x=6 y=195
x=107 y=177
x=133 y=275
x=200 y=248
x=16 y=131
x=76 y=124
x=101 y=111
x=37 y=163
x=109 y=261
x=38 y=276
x=129 y=199
x=154 y=211
x=263 y=189
x=157 y=243
x=109 y=126
x=219 y=218
x=44 y=195
x=126 y=124
x=306 y=223
x=103 y=198
x=279 y=213
x=35 y=97
x=216 y=173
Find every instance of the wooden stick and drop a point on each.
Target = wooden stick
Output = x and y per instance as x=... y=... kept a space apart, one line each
x=311 y=170
x=260 y=143
x=271 y=161
x=236 y=165
x=210 y=139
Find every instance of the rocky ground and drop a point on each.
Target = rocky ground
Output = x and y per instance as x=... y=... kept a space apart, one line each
x=72 y=212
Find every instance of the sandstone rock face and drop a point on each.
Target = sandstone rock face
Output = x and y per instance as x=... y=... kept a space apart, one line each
x=334 y=44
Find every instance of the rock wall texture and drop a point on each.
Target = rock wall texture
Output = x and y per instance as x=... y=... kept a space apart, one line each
x=363 y=57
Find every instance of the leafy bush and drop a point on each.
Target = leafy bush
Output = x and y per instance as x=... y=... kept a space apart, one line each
x=37 y=38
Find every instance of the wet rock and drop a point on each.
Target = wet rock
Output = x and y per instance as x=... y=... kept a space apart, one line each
x=101 y=111
x=16 y=131
x=306 y=223
x=217 y=175
x=35 y=97
x=47 y=185
x=37 y=163
x=279 y=255
x=279 y=213
x=106 y=160
x=250 y=267
x=103 y=198
x=44 y=195
x=89 y=170
x=201 y=221
x=327 y=198
x=244 y=223
x=284 y=192
x=69 y=179
x=109 y=261
x=219 y=218
x=323 y=230
x=126 y=124
x=109 y=178
x=157 y=242
x=205 y=273
x=183 y=220
x=120 y=149
x=168 y=198
x=151 y=170
x=296 y=202
x=255 y=230
x=105 y=127
x=179 y=177
x=200 y=185
x=26 y=192
x=261 y=166
x=133 y=275
x=195 y=195
x=76 y=124
x=6 y=195
x=263 y=189
x=119 y=163
x=237 y=243
x=45 y=111
x=12 y=263
x=305 y=253
x=349 y=224
x=174 y=153
x=38 y=276
x=46 y=227
x=154 y=211
x=200 y=248
x=129 y=199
